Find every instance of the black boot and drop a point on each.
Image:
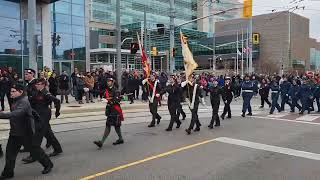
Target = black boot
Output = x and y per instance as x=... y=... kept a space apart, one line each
x=55 y=153
x=188 y=131
x=98 y=143
x=48 y=168
x=1 y=152
x=28 y=160
x=210 y=126
x=169 y=129
x=178 y=124
x=119 y=141
x=158 y=120
x=197 y=129
x=249 y=114
x=151 y=125
x=243 y=115
x=183 y=117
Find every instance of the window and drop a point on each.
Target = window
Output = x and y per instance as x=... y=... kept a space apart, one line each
x=77 y=10
x=10 y=9
x=80 y=30
x=78 y=20
x=61 y=18
x=62 y=7
x=78 y=1
x=61 y=28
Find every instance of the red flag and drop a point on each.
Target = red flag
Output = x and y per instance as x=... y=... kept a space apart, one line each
x=144 y=59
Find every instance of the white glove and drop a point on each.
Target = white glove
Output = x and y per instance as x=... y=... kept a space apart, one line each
x=144 y=81
x=157 y=95
x=203 y=102
x=184 y=83
x=104 y=100
x=201 y=87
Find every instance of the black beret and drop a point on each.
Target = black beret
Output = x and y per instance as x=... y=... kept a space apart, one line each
x=19 y=87
x=29 y=70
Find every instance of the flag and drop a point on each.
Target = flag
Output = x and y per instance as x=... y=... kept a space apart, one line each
x=144 y=59
x=189 y=64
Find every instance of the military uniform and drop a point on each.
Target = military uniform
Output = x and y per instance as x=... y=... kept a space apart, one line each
x=295 y=96
x=306 y=95
x=227 y=96
x=215 y=94
x=284 y=89
x=264 y=93
x=248 y=88
x=275 y=91
x=153 y=90
x=316 y=93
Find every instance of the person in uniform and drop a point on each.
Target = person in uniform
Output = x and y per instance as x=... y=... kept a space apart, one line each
x=193 y=95
x=227 y=96
x=275 y=90
x=174 y=91
x=113 y=112
x=316 y=93
x=248 y=89
x=40 y=102
x=22 y=130
x=180 y=110
x=294 y=94
x=264 y=93
x=305 y=96
x=152 y=87
x=284 y=89
x=215 y=94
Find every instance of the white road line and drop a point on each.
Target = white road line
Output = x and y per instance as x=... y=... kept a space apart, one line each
x=308 y=118
x=277 y=115
x=265 y=147
x=287 y=120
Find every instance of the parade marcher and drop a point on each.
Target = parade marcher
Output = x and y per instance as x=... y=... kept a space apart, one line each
x=153 y=88
x=80 y=87
x=22 y=132
x=227 y=96
x=40 y=102
x=180 y=109
x=248 y=89
x=215 y=94
x=294 y=94
x=284 y=89
x=264 y=93
x=305 y=96
x=174 y=91
x=194 y=94
x=275 y=92
x=316 y=93
x=113 y=112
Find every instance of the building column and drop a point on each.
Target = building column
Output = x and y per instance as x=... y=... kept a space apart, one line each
x=87 y=33
x=32 y=23
x=46 y=36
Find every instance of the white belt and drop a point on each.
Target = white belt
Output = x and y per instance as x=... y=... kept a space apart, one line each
x=274 y=91
x=247 y=91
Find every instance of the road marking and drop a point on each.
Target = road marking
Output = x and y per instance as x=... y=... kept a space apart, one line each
x=265 y=147
x=147 y=159
x=308 y=118
x=287 y=120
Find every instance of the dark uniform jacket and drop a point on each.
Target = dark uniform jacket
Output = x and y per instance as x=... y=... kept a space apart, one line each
x=174 y=92
x=21 y=118
x=189 y=92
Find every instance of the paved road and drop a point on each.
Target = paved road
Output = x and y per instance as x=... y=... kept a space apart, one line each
x=278 y=147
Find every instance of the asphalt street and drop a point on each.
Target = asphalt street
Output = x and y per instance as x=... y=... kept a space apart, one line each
x=254 y=148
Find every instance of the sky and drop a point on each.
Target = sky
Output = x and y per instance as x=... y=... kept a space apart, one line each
x=312 y=11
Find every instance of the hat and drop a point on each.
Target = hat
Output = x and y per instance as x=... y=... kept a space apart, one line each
x=41 y=80
x=19 y=87
x=227 y=78
x=110 y=79
x=29 y=70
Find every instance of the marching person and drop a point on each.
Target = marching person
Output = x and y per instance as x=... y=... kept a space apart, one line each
x=215 y=94
x=153 y=88
x=194 y=94
x=40 y=102
x=275 y=91
x=248 y=89
x=306 y=95
x=284 y=89
x=295 y=96
x=227 y=96
x=180 y=110
x=22 y=132
x=173 y=101
x=113 y=112
x=264 y=93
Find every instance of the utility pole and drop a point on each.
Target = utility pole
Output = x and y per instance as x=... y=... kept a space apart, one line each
x=32 y=15
x=289 y=41
x=172 y=16
x=145 y=27
x=250 y=46
x=241 y=52
x=118 y=72
x=237 y=66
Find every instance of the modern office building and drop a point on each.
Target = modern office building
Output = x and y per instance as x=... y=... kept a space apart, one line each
x=60 y=35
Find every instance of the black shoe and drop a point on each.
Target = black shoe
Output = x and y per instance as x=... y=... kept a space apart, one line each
x=98 y=143
x=55 y=153
x=222 y=117
x=210 y=126
x=188 y=131
x=228 y=117
x=292 y=111
x=48 y=145
x=217 y=125
x=158 y=120
x=270 y=112
x=169 y=129
x=301 y=112
x=249 y=114
x=261 y=107
x=47 y=169
x=119 y=141
x=243 y=115
x=197 y=129
x=5 y=177
x=178 y=125
x=151 y=125
x=28 y=160
x=131 y=102
x=67 y=102
x=184 y=117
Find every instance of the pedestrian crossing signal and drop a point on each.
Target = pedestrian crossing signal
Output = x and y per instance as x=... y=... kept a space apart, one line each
x=256 y=38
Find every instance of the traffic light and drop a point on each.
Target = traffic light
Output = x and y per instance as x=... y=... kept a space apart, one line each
x=247 y=9
x=134 y=48
x=160 y=28
x=256 y=38
x=154 y=51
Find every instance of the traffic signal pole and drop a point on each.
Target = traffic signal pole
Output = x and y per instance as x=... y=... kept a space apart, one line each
x=118 y=27
x=172 y=16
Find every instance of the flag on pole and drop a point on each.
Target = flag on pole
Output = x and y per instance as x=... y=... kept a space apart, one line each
x=189 y=64
x=144 y=59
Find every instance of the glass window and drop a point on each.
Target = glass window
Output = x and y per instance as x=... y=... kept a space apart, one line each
x=78 y=30
x=78 y=41
x=78 y=1
x=77 y=10
x=62 y=48
x=62 y=7
x=10 y=9
x=10 y=36
x=79 y=47
x=61 y=28
x=78 y=20
x=61 y=18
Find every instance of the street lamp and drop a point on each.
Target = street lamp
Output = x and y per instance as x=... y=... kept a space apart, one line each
x=126 y=39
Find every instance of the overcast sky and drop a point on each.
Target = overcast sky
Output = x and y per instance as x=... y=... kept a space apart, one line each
x=312 y=11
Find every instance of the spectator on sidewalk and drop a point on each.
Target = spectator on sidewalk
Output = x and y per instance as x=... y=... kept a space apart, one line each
x=53 y=84
x=5 y=86
x=89 y=84
x=64 y=86
x=74 y=83
x=102 y=79
x=79 y=87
